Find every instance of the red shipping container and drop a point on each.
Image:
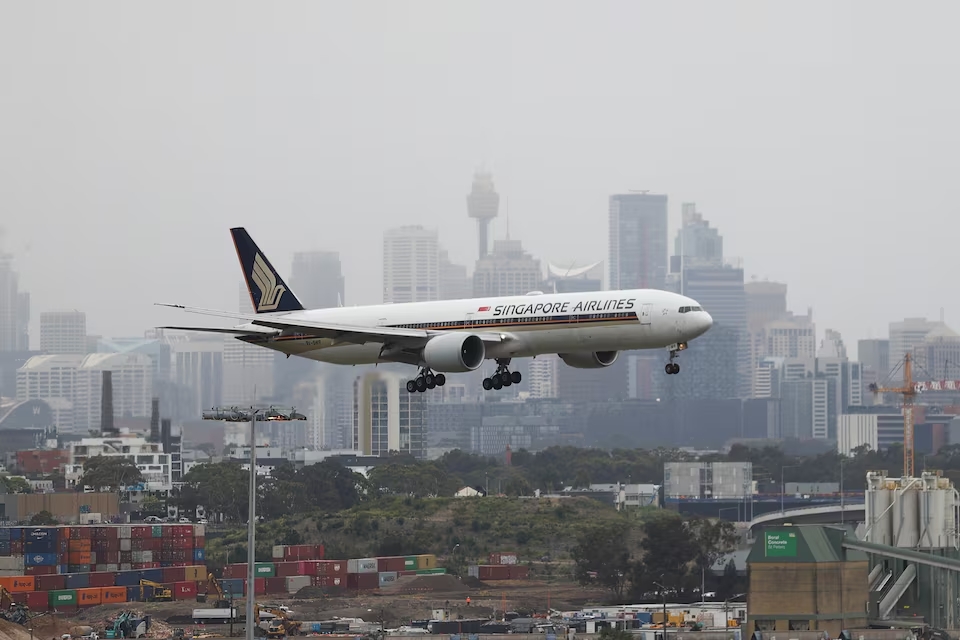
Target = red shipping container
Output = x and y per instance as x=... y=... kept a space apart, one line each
x=102 y=579
x=126 y=556
x=363 y=581
x=234 y=571
x=519 y=572
x=108 y=557
x=328 y=581
x=275 y=585
x=259 y=586
x=38 y=601
x=16 y=548
x=390 y=564
x=184 y=590
x=141 y=531
x=493 y=572
x=332 y=568
x=51 y=582
x=285 y=569
x=106 y=533
x=33 y=570
x=199 y=543
x=321 y=552
x=174 y=574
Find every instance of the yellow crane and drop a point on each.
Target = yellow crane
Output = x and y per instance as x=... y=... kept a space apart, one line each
x=909 y=391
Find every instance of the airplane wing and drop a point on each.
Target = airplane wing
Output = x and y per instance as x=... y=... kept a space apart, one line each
x=239 y=332
x=346 y=333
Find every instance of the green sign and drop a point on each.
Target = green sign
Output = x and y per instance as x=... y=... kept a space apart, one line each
x=782 y=544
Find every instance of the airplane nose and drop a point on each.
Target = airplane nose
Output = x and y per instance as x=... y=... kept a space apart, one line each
x=707 y=321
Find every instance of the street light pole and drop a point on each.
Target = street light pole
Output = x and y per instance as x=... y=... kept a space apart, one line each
x=252 y=414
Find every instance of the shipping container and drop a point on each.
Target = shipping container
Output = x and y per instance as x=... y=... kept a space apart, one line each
x=38 y=601
x=332 y=568
x=259 y=586
x=63 y=598
x=4 y=547
x=113 y=594
x=390 y=564
x=503 y=557
x=519 y=571
x=104 y=579
x=89 y=597
x=199 y=555
x=285 y=569
x=14 y=563
x=199 y=543
x=329 y=581
x=77 y=581
x=234 y=587
x=133 y=594
x=31 y=534
x=195 y=573
x=42 y=559
x=275 y=585
x=173 y=574
x=199 y=530
x=427 y=561
x=46 y=545
x=5 y=534
x=235 y=571
x=410 y=563
x=363 y=581
x=184 y=590
x=51 y=583
x=18 y=584
x=153 y=575
x=362 y=565
x=295 y=583
x=127 y=578
x=431 y=572
x=264 y=570
x=387 y=577
x=126 y=531
x=38 y=570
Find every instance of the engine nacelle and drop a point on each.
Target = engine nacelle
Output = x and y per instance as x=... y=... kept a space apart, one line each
x=589 y=359
x=454 y=352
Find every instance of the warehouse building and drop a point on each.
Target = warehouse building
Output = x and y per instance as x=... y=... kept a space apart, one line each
x=802 y=579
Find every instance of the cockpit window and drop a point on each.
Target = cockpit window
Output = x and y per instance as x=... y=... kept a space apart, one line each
x=689 y=309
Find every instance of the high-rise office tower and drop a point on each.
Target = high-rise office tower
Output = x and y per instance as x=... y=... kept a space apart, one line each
x=454 y=282
x=14 y=309
x=63 y=332
x=638 y=241
x=907 y=336
x=483 y=203
x=411 y=265
x=317 y=278
x=508 y=271
x=247 y=369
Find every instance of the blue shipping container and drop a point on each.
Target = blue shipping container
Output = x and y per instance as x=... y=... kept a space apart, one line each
x=16 y=533
x=133 y=594
x=644 y=617
x=198 y=555
x=79 y=568
x=40 y=546
x=128 y=579
x=4 y=548
x=234 y=586
x=63 y=569
x=5 y=534
x=40 y=559
x=78 y=580
x=40 y=533
x=153 y=575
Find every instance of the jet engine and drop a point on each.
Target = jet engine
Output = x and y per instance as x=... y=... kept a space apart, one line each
x=454 y=352
x=589 y=359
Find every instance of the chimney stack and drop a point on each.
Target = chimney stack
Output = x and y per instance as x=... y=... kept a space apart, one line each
x=155 y=420
x=107 y=428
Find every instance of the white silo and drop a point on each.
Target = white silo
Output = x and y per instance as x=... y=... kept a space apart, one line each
x=906 y=524
x=951 y=514
x=878 y=517
x=932 y=502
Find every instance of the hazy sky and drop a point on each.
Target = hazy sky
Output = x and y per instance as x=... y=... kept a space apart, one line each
x=820 y=138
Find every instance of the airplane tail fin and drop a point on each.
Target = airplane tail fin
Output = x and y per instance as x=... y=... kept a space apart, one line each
x=268 y=292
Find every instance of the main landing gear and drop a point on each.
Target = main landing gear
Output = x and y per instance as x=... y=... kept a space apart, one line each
x=672 y=367
x=503 y=377
x=426 y=380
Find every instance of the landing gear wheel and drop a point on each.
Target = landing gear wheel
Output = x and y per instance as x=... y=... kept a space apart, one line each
x=421 y=385
x=411 y=386
x=497 y=383
x=440 y=379
x=505 y=379
x=487 y=384
x=676 y=368
x=429 y=380
x=432 y=384
x=669 y=368
x=516 y=377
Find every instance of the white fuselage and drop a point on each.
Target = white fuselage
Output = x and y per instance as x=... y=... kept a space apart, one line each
x=533 y=325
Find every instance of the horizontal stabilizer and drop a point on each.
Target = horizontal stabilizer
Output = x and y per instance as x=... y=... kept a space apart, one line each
x=239 y=332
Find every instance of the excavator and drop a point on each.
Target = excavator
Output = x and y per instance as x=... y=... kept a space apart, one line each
x=160 y=592
x=213 y=587
x=127 y=625
x=280 y=626
x=12 y=611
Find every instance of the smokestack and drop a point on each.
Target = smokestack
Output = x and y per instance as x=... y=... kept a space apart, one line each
x=155 y=420
x=165 y=434
x=106 y=406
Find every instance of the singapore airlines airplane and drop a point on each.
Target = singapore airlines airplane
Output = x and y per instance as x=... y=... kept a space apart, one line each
x=587 y=330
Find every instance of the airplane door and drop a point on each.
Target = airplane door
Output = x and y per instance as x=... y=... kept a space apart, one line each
x=646 y=311
x=468 y=321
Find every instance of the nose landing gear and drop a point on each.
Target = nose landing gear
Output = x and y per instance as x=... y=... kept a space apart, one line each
x=672 y=367
x=426 y=380
x=503 y=377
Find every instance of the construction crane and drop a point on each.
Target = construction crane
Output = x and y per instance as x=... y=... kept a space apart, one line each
x=909 y=391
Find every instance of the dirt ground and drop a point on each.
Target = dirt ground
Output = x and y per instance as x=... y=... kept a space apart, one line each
x=407 y=600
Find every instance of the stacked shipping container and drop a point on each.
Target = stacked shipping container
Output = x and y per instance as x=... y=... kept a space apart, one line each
x=503 y=565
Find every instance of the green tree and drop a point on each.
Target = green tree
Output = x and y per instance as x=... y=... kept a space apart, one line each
x=43 y=519
x=15 y=484
x=669 y=548
x=109 y=472
x=602 y=552
x=713 y=539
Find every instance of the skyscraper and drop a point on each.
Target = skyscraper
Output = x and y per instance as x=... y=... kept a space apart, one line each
x=63 y=332
x=411 y=265
x=483 y=203
x=638 y=241
x=247 y=369
x=508 y=271
x=14 y=309
x=317 y=278
x=454 y=282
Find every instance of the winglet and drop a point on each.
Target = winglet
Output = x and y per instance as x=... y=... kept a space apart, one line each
x=268 y=292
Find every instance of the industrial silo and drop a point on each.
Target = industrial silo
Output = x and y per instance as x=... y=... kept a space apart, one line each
x=878 y=517
x=906 y=523
x=932 y=501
